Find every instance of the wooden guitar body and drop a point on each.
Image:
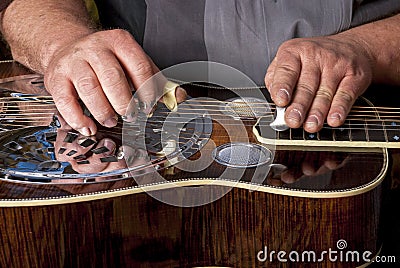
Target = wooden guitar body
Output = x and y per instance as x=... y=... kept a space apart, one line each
x=313 y=206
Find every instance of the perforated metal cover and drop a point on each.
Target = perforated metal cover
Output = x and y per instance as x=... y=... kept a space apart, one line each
x=58 y=154
x=242 y=155
x=246 y=107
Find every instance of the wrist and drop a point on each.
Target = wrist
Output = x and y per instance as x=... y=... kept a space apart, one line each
x=51 y=47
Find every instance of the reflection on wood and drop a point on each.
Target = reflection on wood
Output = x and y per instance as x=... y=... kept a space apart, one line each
x=139 y=231
x=74 y=226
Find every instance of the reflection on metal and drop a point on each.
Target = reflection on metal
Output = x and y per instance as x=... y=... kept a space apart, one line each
x=51 y=154
x=86 y=142
x=70 y=137
x=100 y=150
x=12 y=145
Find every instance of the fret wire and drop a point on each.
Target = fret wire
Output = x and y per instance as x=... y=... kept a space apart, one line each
x=350 y=135
x=366 y=131
x=334 y=135
x=384 y=131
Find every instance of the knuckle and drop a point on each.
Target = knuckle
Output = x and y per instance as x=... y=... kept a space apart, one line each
x=64 y=103
x=359 y=74
x=121 y=107
x=119 y=32
x=288 y=70
x=87 y=86
x=324 y=94
x=112 y=77
x=346 y=96
x=120 y=38
x=297 y=44
x=289 y=44
x=101 y=111
x=102 y=114
x=306 y=88
x=143 y=69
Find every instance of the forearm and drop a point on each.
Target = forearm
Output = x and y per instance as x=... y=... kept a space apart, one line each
x=35 y=30
x=382 y=42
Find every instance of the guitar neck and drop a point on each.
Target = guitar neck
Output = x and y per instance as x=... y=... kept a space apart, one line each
x=364 y=127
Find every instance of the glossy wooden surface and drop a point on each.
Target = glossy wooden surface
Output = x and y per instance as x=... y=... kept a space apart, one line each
x=135 y=230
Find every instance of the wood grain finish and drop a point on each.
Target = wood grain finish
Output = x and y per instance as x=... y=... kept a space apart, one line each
x=132 y=229
x=138 y=231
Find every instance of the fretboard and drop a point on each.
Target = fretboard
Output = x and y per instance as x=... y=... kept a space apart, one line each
x=364 y=127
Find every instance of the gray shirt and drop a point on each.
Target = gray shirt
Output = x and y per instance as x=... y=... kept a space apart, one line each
x=244 y=34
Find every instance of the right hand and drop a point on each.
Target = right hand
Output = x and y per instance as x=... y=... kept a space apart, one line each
x=98 y=69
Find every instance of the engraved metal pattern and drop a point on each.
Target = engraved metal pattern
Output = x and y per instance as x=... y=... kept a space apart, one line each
x=57 y=154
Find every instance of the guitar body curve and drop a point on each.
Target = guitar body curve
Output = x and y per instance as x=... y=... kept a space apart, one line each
x=311 y=200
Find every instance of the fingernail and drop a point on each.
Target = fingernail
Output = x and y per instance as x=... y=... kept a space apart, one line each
x=336 y=118
x=85 y=131
x=294 y=116
x=282 y=97
x=180 y=94
x=110 y=122
x=312 y=122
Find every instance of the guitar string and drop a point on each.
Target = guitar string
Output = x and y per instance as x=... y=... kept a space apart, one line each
x=348 y=125
x=373 y=110
x=217 y=103
x=207 y=111
x=351 y=117
x=245 y=107
x=233 y=137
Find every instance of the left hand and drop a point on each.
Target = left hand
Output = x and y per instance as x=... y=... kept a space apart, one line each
x=319 y=78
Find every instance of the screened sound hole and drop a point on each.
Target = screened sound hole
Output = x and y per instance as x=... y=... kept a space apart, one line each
x=246 y=107
x=242 y=155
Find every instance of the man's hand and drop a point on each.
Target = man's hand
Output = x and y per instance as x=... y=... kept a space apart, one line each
x=319 y=78
x=99 y=69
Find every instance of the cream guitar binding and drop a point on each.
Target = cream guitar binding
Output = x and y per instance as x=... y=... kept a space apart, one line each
x=75 y=196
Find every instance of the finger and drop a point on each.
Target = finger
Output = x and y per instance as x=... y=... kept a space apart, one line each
x=160 y=80
x=66 y=100
x=303 y=96
x=270 y=74
x=180 y=94
x=348 y=91
x=288 y=177
x=274 y=182
x=321 y=103
x=139 y=69
x=285 y=78
x=331 y=164
x=90 y=91
x=113 y=80
x=307 y=168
